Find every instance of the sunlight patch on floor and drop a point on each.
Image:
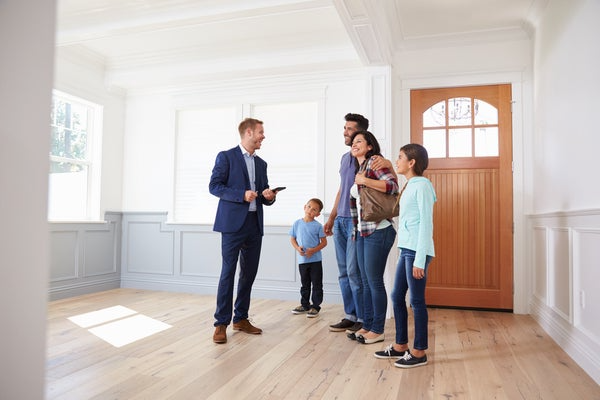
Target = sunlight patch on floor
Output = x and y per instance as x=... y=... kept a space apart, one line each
x=129 y=330
x=119 y=325
x=101 y=316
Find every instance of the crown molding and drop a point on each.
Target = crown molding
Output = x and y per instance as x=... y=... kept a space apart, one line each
x=81 y=55
x=305 y=76
x=516 y=33
x=364 y=32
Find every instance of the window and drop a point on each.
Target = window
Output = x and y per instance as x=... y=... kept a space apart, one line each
x=290 y=150
x=73 y=190
x=201 y=134
x=461 y=127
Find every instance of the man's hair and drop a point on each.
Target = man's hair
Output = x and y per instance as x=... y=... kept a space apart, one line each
x=361 y=122
x=318 y=202
x=248 y=123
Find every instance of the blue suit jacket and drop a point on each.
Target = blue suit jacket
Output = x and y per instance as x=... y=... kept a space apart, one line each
x=229 y=181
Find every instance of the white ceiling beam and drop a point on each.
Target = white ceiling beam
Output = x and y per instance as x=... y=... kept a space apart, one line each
x=85 y=24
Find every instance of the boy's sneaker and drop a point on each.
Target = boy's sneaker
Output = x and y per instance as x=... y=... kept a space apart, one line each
x=410 y=361
x=313 y=312
x=299 y=310
x=341 y=326
x=389 y=352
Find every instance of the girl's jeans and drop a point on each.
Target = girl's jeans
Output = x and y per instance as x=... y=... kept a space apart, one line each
x=404 y=281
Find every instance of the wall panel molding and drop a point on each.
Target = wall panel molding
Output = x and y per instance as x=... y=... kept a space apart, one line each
x=191 y=261
x=565 y=254
x=85 y=256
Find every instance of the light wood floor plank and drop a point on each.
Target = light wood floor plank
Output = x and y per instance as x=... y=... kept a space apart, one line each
x=472 y=355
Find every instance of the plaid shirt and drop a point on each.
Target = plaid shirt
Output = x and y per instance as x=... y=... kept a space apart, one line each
x=391 y=187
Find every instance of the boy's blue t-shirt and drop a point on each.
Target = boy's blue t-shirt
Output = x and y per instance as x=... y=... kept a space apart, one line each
x=308 y=234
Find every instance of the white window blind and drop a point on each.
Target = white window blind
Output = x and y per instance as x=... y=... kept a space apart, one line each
x=201 y=134
x=289 y=148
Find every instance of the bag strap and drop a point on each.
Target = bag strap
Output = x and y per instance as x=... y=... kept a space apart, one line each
x=401 y=191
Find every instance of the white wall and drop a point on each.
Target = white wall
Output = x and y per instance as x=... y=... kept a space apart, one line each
x=26 y=49
x=564 y=224
x=82 y=74
x=567 y=133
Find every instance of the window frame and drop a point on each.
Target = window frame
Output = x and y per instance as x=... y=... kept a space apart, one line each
x=92 y=161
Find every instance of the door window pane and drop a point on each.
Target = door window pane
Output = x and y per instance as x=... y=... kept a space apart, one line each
x=486 y=142
x=434 y=140
x=459 y=142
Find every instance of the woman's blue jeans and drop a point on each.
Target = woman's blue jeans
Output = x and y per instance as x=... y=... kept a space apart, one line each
x=372 y=253
x=403 y=282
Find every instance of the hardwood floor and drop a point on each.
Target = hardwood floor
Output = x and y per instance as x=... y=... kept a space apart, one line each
x=472 y=355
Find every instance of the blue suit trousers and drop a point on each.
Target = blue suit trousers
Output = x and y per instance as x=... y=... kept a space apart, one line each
x=244 y=245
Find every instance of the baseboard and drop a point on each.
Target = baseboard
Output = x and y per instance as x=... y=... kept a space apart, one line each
x=82 y=288
x=581 y=348
x=258 y=291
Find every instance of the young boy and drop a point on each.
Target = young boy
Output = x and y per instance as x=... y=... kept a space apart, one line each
x=308 y=238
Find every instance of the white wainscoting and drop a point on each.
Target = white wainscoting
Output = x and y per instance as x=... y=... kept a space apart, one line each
x=565 y=268
x=157 y=255
x=85 y=257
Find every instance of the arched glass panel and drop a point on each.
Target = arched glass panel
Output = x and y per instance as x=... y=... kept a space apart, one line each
x=485 y=113
x=435 y=115
x=459 y=111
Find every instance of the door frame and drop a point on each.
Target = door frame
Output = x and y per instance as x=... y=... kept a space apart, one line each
x=522 y=105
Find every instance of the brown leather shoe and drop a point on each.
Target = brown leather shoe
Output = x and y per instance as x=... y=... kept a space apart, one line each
x=245 y=326
x=220 y=335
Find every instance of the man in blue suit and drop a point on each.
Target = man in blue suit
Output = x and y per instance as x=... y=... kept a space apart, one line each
x=239 y=180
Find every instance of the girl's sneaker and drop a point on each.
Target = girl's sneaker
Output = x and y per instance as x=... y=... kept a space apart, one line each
x=389 y=352
x=410 y=361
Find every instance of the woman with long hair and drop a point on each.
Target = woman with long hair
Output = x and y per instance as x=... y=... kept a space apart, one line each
x=374 y=239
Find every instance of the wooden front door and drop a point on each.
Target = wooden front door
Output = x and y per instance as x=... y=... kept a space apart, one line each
x=468 y=134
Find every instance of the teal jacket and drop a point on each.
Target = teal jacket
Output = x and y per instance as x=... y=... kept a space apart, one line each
x=415 y=226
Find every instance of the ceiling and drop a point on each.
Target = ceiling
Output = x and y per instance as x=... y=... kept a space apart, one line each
x=139 y=42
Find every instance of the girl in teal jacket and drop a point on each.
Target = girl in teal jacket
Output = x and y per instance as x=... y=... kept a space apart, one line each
x=415 y=240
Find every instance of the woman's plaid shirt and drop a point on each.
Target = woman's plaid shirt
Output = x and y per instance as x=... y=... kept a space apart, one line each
x=391 y=187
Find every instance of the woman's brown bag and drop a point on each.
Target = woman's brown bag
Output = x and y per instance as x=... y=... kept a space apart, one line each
x=377 y=206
